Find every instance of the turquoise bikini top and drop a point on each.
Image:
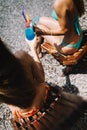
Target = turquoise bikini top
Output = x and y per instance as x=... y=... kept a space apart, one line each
x=75 y=22
x=77 y=25
x=54 y=15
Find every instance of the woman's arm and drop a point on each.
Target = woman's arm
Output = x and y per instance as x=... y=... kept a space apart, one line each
x=63 y=22
x=64 y=27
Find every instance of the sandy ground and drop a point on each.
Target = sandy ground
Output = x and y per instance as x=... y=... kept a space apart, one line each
x=12 y=28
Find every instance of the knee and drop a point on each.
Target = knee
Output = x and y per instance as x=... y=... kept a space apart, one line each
x=42 y=20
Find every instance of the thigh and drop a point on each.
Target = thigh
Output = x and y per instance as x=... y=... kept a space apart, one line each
x=49 y=22
x=67 y=50
x=49 y=38
x=54 y=40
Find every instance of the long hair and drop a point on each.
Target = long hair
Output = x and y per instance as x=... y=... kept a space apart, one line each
x=80 y=6
x=15 y=87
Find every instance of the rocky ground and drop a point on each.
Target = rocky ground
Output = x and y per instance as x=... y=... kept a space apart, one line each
x=12 y=28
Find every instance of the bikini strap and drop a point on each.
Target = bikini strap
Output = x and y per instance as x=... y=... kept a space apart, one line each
x=77 y=25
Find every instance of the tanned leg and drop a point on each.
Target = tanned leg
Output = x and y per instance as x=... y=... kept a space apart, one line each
x=39 y=40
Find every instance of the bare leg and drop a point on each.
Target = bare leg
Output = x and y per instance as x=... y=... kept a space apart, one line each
x=49 y=23
x=39 y=40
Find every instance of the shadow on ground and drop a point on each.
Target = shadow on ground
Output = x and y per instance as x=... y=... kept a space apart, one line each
x=68 y=87
x=81 y=67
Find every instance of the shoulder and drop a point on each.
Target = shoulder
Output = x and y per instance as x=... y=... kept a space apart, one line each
x=63 y=4
x=21 y=54
x=63 y=7
x=25 y=59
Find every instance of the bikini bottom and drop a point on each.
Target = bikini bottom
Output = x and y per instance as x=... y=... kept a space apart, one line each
x=77 y=45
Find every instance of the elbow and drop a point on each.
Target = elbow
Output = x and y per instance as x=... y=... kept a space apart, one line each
x=65 y=31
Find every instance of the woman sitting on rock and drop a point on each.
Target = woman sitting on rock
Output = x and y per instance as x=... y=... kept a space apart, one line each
x=63 y=30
